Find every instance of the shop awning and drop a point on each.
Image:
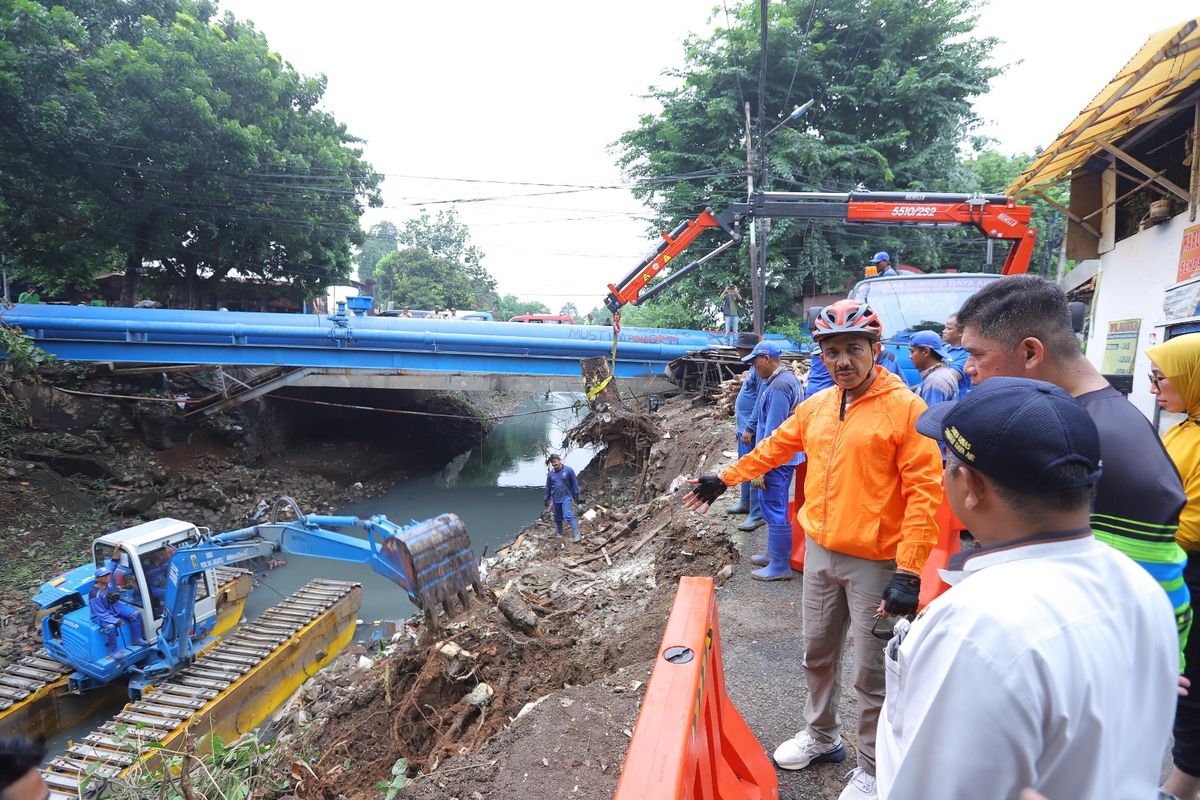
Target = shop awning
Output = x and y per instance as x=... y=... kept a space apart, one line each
x=1166 y=67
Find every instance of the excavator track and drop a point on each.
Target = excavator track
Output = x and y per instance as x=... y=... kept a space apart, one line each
x=229 y=689
x=34 y=681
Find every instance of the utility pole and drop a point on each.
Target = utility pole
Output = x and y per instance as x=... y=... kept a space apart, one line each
x=760 y=277
x=756 y=303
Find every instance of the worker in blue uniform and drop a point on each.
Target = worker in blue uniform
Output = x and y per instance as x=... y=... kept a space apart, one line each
x=156 y=576
x=780 y=394
x=562 y=490
x=744 y=409
x=108 y=611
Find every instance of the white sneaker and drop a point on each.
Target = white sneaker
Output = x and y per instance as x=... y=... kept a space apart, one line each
x=802 y=750
x=860 y=787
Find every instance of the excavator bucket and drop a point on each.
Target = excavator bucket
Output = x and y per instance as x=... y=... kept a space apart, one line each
x=436 y=553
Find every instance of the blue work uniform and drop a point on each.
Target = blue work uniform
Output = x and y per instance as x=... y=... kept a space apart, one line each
x=109 y=614
x=938 y=384
x=744 y=410
x=778 y=398
x=818 y=376
x=958 y=363
x=887 y=359
x=562 y=489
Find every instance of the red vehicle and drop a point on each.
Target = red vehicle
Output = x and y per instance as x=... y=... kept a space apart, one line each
x=545 y=319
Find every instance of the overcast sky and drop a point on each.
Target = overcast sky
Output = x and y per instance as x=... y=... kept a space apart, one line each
x=472 y=99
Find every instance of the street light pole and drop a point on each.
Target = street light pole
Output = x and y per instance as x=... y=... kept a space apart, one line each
x=756 y=299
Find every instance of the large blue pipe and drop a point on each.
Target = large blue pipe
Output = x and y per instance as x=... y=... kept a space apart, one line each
x=157 y=330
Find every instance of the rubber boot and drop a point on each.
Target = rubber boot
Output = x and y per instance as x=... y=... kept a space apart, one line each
x=743 y=504
x=755 y=520
x=779 y=547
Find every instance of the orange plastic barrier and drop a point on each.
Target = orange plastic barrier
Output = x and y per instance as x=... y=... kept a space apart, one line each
x=793 y=510
x=690 y=742
x=949 y=528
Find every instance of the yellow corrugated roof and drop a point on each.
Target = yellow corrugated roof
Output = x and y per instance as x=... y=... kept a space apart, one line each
x=1166 y=66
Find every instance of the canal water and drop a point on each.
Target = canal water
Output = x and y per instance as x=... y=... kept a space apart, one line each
x=496 y=489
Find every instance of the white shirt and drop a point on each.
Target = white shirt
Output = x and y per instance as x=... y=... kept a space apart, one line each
x=1050 y=664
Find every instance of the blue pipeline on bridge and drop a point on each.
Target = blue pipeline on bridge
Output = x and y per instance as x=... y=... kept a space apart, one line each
x=386 y=346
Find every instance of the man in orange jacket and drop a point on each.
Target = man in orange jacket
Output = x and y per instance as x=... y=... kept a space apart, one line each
x=874 y=484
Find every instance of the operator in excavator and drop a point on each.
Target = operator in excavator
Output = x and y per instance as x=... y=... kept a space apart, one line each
x=860 y=545
x=109 y=611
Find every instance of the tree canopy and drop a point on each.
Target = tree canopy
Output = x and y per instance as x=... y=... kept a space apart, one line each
x=438 y=265
x=892 y=83
x=150 y=136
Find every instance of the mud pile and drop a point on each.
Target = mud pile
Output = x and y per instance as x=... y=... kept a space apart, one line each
x=534 y=692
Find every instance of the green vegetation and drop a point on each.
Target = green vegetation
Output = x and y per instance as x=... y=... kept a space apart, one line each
x=892 y=83
x=21 y=356
x=153 y=137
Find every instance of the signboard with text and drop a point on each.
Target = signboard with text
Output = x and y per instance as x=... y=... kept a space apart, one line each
x=1189 y=254
x=1120 y=347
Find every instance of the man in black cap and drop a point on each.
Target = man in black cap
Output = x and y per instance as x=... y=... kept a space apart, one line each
x=747 y=422
x=1051 y=662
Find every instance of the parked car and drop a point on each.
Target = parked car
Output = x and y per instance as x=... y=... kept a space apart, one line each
x=484 y=316
x=545 y=319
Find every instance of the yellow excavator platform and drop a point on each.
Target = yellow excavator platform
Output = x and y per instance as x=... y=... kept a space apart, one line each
x=231 y=688
x=33 y=691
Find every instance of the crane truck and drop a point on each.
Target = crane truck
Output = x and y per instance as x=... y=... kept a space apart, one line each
x=905 y=303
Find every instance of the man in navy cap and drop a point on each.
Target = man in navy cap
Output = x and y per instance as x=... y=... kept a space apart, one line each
x=929 y=355
x=109 y=611
x=779 y=394
x=881 y=265
x=1051 y=662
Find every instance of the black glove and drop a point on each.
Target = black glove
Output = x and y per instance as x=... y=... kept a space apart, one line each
x=902 y=594
x=710 y=488
x=112 y=596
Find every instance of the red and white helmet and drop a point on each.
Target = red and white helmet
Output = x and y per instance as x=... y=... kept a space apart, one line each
x=847 y=316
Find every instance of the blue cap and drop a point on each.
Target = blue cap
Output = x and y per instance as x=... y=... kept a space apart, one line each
x=103 y=572
x=932 y=341
x=1017 y=431
x=763 y=349
x=880 y=256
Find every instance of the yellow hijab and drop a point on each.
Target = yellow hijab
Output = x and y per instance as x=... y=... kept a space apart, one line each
x=1179 y=360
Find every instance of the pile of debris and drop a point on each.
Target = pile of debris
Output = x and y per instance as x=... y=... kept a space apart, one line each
x=534 y=692
x=725 y=395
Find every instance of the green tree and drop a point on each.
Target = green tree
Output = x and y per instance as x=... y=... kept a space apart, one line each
x=892 y=83
x=153 y=134
x=510 y=306
x=438 y=266
x=569 y=310
x=380 y=240
x=991 y=172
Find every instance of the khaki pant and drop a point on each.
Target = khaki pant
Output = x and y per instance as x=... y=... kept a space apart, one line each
x=841 y=591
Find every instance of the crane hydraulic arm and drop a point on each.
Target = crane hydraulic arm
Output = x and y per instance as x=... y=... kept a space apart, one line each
x=995 y=216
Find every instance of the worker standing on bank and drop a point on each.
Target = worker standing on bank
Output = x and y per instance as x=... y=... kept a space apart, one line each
x=747 y=424
x=729 y=300
x=872 y=487
x=777 y=399
x=562 y=490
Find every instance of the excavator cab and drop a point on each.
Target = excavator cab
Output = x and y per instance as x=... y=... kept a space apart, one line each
x=139 y=558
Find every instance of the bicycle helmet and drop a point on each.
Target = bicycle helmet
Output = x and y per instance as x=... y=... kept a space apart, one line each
x=847 y=316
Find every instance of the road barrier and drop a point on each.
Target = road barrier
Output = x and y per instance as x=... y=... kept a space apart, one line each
x=690 y=742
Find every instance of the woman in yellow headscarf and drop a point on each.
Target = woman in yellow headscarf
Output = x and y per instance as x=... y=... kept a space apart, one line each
x=1175 y=384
